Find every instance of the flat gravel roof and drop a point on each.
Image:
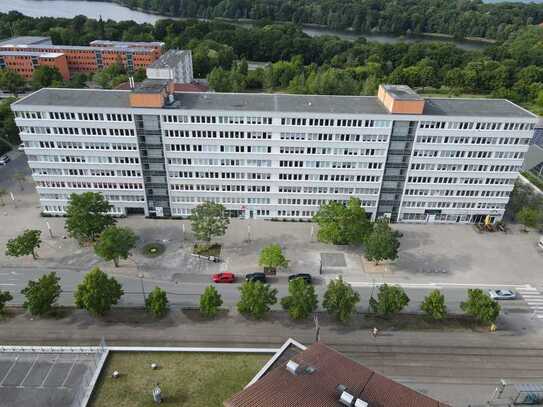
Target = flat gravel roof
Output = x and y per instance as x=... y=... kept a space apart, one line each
x=266 y=102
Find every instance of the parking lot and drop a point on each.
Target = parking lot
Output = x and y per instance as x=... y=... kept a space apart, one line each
x=44 y=379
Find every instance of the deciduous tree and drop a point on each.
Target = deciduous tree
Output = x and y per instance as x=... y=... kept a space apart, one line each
x=529 y=217
x=390 y=300
x=340 y=299
x=434 y=305
x=45 y=76
x=339 y=224
x=5 y=296
x=42 y=295
x=210 y=302
x=256 y=299
x=209 y=220
x=87 y=216
x=301 y=300
x=97 y=292
x=481 y=306
x=115 y=243
x=24 y=244
x=382 y=243
x=156 y=302
x=272 y=256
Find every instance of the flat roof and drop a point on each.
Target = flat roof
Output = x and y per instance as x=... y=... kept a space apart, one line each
x=170 y=59
x=127 y=43
x=151 y=86
x=402 y=92
x=31 y=54
x=45 y=47
x=271 y=102
x=25 y=40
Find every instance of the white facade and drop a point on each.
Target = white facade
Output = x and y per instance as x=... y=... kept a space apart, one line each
x=174 y=65
x=273 y=164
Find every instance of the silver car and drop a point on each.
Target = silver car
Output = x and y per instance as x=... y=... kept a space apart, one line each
x=502 y=294
x=4 y=159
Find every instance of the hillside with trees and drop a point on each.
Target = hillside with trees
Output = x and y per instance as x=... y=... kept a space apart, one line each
x=512 y=68
x=460 y=18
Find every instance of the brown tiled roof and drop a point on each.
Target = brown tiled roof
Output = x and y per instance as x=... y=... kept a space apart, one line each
x=280 y=388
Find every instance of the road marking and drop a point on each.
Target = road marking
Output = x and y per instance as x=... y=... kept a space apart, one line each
x=435 y=285
x=7 y=284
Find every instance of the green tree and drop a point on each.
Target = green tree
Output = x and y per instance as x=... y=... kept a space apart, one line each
x=256 y=299
x=45 y=76
x=156 y=302
x=390 y=300
x=210 y=302
x=434 y=305
x=87 y=217
x=219 y=80
x=97 y=292
x=301 y=300
x=140 y=75
x=209 y=220
x=272 y=257
x=481 y=306
x=529 y=217
x=24 y=244
x=340 y=299
x=115 y=243
x=340 y=224
x=42 y=295
x=11 y=81
x=382 y=243
x=5 y=296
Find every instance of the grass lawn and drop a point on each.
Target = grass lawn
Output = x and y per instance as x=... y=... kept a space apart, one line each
x=186 y=379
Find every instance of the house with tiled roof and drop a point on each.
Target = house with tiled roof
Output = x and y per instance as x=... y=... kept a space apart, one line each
x=319 y=376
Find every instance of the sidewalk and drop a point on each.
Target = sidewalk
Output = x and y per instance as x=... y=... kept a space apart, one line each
x=184 y=327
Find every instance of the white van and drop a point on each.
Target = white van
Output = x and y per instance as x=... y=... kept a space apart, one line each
x=540 y=243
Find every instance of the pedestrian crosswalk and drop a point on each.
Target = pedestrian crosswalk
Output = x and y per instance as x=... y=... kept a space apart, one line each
x=534 y=298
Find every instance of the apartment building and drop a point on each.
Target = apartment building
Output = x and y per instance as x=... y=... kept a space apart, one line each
x=161 y=153
x=24 y=54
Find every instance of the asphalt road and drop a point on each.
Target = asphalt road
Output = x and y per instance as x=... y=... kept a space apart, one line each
x=187 y=291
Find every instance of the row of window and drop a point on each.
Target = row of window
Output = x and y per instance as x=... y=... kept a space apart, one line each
x=109 y=197
x=454 y=180
x=472 y=140
x=301 y=121
x=454 y=205
x=220 y=199
x=469 y=154
x=83 y=172
x=216 y=119
x=83 y=159
x=460 y=193
x=110 y=117
x=89 y=185
x=74 y=131
x=475 y=125
x=78 y=145
x=256 y=135
x=367 y=138
x=465 y=167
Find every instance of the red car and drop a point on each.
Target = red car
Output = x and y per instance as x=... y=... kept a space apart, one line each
x=224 y=277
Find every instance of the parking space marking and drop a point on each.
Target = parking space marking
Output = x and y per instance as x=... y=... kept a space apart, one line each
x=9 y=370
x=49 y=372
x=69 y=372
x=21 y=385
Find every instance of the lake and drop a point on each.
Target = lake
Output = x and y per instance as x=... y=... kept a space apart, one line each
x=95 y=9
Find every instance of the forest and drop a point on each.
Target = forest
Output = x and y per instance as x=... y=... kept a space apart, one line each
x=459 y=18
x=322 y=65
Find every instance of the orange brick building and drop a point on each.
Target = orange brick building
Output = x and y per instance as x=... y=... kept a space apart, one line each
x=23 y=55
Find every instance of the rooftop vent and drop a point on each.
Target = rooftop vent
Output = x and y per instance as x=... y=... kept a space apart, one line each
x=347 y=399
x=293 y=367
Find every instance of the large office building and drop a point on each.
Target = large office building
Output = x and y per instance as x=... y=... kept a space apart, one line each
x=153 y=151
x=24 y=54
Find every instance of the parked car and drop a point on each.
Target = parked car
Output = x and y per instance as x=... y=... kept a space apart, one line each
x=4 y=159
x=502 y=294
x=305 y=276
x=225 y=277
x=256 y=277
x=540 y=243
x=21 y=147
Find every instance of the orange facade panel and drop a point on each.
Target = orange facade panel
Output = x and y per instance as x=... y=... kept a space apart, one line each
x=147 y=100
x=400 y=99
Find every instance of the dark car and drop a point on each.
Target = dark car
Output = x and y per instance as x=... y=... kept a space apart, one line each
x=305 y=276
x=256 y=277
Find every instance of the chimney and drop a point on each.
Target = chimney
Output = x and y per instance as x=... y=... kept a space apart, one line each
x=400 y=99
